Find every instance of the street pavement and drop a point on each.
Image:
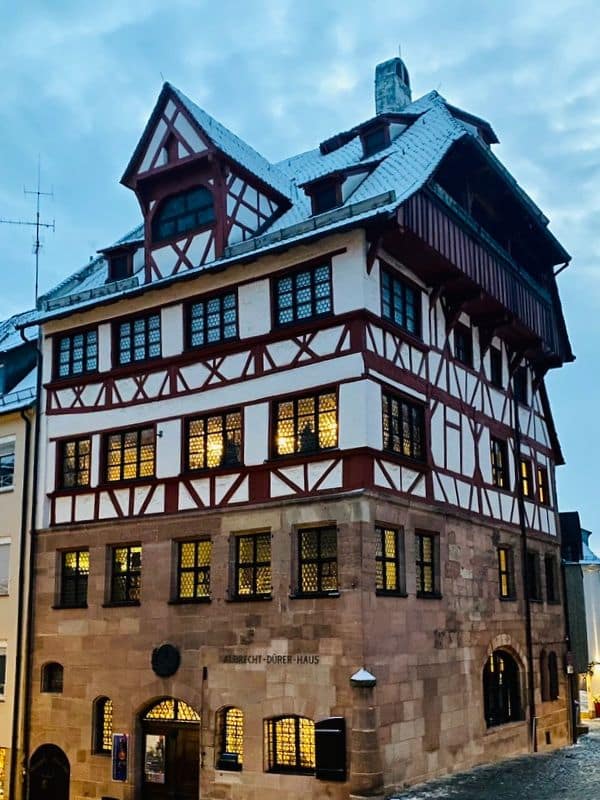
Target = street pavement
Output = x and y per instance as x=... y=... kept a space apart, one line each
x=572 y=773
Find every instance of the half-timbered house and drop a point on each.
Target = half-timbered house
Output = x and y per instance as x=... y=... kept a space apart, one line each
x=296 y=524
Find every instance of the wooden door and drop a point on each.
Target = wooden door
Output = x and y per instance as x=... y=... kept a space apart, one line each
x=170 y=764
x=49 y=773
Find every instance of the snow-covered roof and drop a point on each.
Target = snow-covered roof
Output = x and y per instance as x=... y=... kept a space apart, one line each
x=21 y=395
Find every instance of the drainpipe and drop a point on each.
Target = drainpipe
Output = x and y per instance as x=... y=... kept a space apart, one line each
x=523 y=527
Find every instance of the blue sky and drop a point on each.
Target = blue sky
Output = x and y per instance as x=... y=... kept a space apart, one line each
x=80 y=79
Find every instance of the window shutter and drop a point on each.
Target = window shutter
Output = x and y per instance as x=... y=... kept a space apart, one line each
x=330 y=749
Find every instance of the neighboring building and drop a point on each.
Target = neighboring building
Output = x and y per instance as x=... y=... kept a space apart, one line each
x=280 y=516
x=17 y=402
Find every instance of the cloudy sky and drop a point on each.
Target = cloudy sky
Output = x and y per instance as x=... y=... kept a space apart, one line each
x=79 y=79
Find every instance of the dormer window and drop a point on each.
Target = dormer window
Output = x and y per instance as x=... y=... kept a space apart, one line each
x=325 y=195
x=182 y=213
x=375 y=139
x=119 y=267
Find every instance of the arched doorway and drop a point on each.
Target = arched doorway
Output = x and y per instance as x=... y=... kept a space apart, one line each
x=501 y=689
x=170 y=751
x=49 y=773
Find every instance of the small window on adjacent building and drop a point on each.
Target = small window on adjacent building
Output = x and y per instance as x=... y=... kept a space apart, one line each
x=2 y=669
x=506 y=573
x=526 y=477
x=253 y=566
x=76 y=354
x=4 y=566
x=403 y=427
x=74 y=460
x=7 y=463
x=214 y=441
x=533 y=576
x=212 y=320
x=389 y=561
x=126 y=574
x=193 y=569
x=550 y=568
x=542 y=486
x=290 y=745
x=74 y=572
x=306 y=424
x=52 y=678
x=303 y=295
x=230 y=738
x=400 y=303
x=183 y=212
x=427 y=568
x=130 y=454
x=317 y=561
x=499 y=457
x=138 y=339
x=102 y=716
x=496 y=367
x=520 y=384
x=463 y=345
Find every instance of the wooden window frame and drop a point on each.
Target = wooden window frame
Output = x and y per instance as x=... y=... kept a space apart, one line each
x=198 y=571
x=499 y=463
x=319 y=561
x=224 y=755
x=119 y=336
x=295 y=290
x=8 y=462
x=295 y=400
x=86 y=358
x=130 y=574
x=520 y=385
x=200 y=224
x=122 y=463
x=526 y=477
x=534 y=584
x=398 y=560
x=205 y=435
x=203 y=302
x=496 y=367
x=399 y=287
x=79 y=578
x=508 y=692
x=416 y=422
x=543 y=486
x=272 y=765
x=463 y=345
x=506 y=570
x=254 y=565
x=552 y=582
x=318 y=189
x=383 y=128
x=433 y=564
x=62 y=445
x=100 y=743
x=53 y=674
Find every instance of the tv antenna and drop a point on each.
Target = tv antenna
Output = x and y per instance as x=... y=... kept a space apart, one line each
x=37 y=224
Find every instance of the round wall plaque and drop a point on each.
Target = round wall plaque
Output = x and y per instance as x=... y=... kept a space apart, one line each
x=165 y=660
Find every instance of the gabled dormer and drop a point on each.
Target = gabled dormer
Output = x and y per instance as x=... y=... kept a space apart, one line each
x=332 y=190
x=200 y=187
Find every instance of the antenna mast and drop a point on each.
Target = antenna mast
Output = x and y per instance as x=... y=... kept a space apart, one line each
x=37 y=224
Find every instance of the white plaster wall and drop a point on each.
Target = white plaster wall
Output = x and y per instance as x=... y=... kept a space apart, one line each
x=591 y=589
x=171 y=322
x=168 y=448
x=256 y=433
x=254 y=309
x=104 y=348
x=355 y=401
x=349 y=276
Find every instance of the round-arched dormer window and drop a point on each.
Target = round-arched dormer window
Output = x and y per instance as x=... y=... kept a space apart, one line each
x=183 y=212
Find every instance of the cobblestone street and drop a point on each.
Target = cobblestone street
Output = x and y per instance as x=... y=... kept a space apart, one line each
x=569 y=774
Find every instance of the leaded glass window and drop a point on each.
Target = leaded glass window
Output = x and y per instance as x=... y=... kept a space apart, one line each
x=103 y=726
x=230 y=727
x=403 y=427
x=215 y=441
x=126 y=576
x=172 y=710
x=213 y=320
x=389 y=560
x=290 y=744
x=193 y=569
x=317 y=558
x=400 y=303
x=253 y=565
x=183 y=212
x=463 y=345
x=542 y=486
x=76 y=354
x=426 y=568
x=303 y=295
x=506 y=573
x=138 y=339
x=499 y=456
x=130 y=454
x=74 y=572
x=306 y=424
x=526 y=477
x=75 y=463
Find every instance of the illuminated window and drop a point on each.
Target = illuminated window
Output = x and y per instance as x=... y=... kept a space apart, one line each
x=74 y=459
x=76 y=354
x=506 y=575
x=213 y=320
x=426 y=564
x=214 y=441
x=230 y=738
x=172 y=710
x=7 y=462
x=501 y=689
x=305 y=294
x=3 y=774
x=389 y=561
x=253 y=565
x=400 y=303
x=499 y=458
x=317 y=558
x=290 y=744
x=193 y=570
x=103 y=726
x=52 y=678
x=542 y=486
x=403 y=427
x=533 y=576
x=138 y=339
x=183 y=212
x=496 y=367
x=551 y=571
x=74 y=571
x=130 y=454
x=526 y=477
x=126 y=574
x=463 y=345
x=306 y=424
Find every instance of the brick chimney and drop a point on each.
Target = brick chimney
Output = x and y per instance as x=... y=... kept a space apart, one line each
x=392 y=86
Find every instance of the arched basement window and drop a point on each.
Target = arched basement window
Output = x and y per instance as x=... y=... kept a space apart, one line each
x=103 y=725
x=501 y=689
x=172 y=710
x=290 y=744
x=52 y=677
x=230 y=738
x=552 y=676
x=183 y=212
